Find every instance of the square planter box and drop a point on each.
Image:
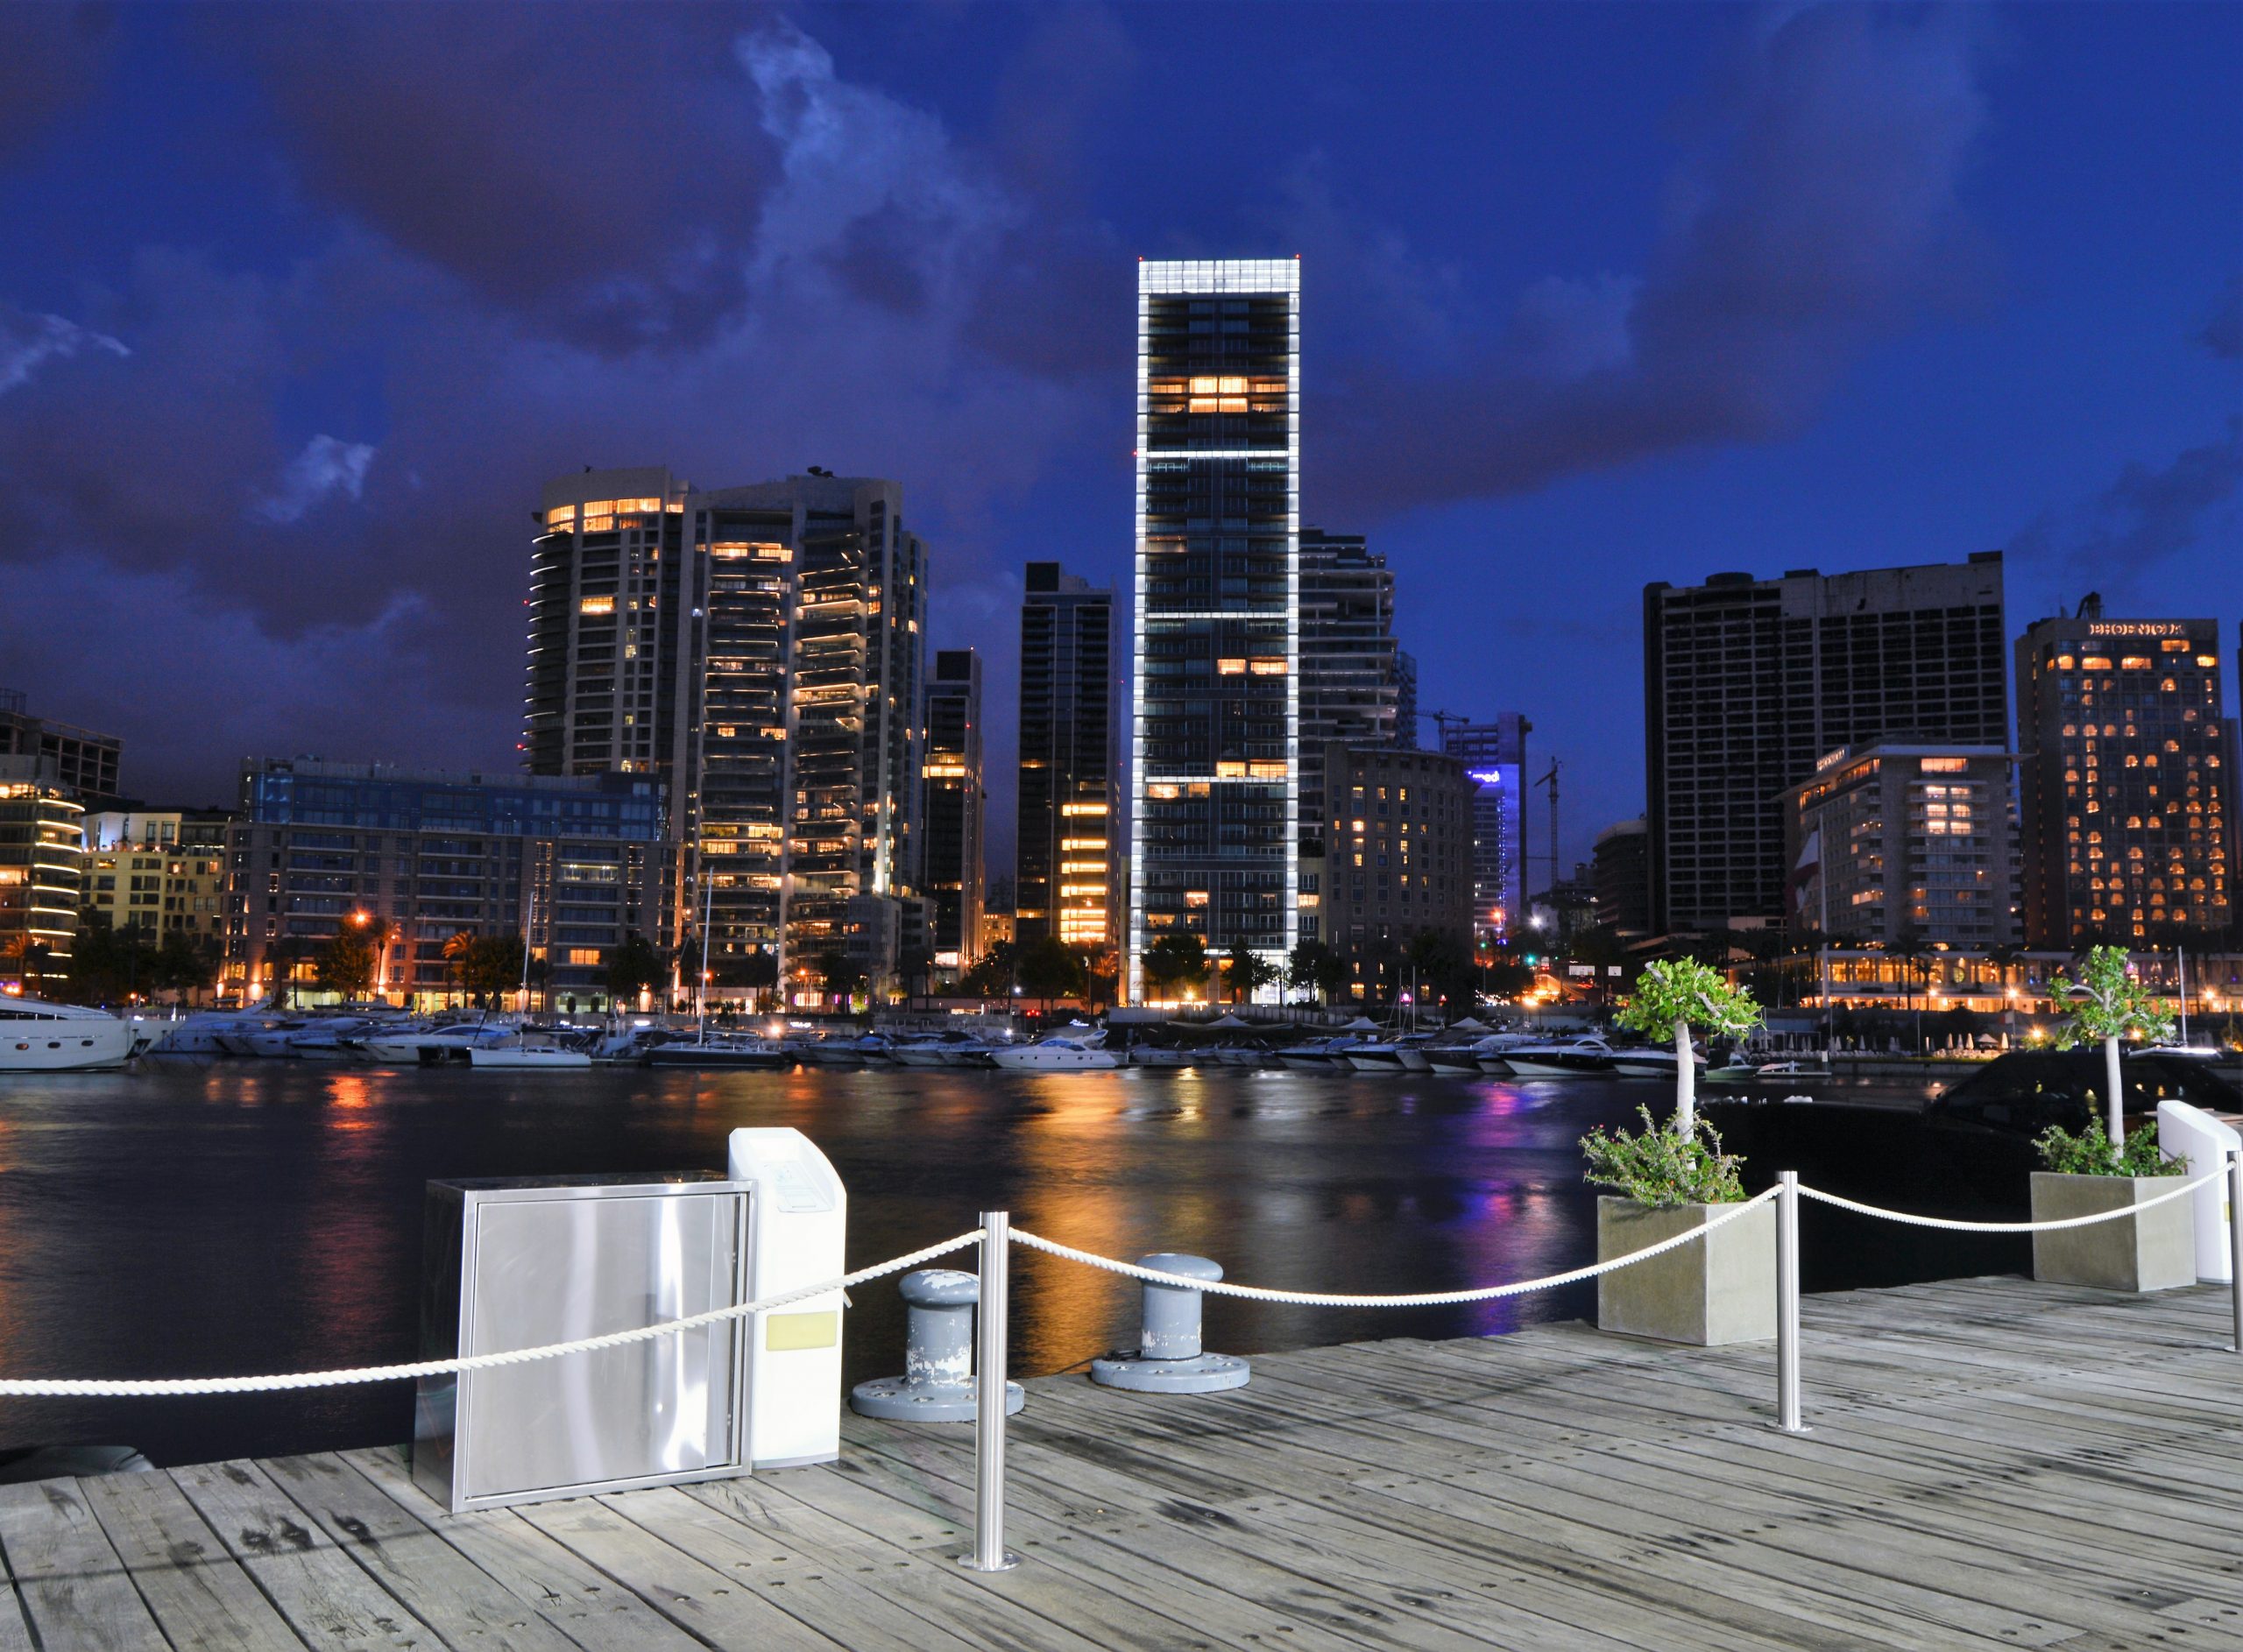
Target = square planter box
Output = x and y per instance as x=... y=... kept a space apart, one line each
x=2154 y=1250
x=1719 y=1288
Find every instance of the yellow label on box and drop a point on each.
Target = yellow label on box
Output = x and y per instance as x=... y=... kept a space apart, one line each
x=782 y=1333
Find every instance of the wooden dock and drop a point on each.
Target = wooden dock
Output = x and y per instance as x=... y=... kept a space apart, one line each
x=1993 y=1463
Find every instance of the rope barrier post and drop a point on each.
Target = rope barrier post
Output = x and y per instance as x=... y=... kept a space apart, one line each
x=2235 y=1240
x=989 y=1363
x=1787 y=1303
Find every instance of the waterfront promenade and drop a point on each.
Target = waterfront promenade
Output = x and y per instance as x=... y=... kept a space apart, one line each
x=1992 y=1463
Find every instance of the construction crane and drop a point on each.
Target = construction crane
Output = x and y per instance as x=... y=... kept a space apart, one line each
x=1441 y=720
x=1551 y=781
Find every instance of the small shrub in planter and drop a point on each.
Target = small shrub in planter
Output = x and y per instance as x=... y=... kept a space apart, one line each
x=2150 y=1250
x=1718 y=1289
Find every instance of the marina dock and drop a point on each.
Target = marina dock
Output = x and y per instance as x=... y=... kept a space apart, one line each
x=1992 y=1463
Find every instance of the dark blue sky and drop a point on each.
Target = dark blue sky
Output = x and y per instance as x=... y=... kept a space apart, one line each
x=298 y=307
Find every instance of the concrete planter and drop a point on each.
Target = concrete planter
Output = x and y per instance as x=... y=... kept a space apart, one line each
x=1717 y=1289
x=2152 y=1250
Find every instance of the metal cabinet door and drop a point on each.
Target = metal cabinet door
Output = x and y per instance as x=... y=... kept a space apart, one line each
x=554 y=1269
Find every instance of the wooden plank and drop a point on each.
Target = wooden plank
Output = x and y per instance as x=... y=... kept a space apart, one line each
x=583 y=1603
x=326 y=1598
x=198 y=1593
x=73 y=1588
x=458 y=1599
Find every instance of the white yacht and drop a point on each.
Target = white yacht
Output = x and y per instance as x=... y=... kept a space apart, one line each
x=1649 y=1061
x=1060 y=1052
x=529 y=1049
x=431 y=1045
x=40 y=1037
x=1403 y=1054
x=718 y=1051
x=1582 y=1057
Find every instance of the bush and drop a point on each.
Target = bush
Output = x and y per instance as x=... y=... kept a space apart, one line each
x=2089 y=1153
x=1662 y=1170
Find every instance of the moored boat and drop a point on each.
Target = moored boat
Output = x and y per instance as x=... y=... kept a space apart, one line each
x=40 y=1037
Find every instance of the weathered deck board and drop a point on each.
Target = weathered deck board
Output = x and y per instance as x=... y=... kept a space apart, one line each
x=1992 y=1463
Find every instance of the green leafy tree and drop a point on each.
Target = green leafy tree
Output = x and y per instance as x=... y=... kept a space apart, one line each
x=1300 y=966
x=631 y=966
x=839 y=975
x=1671 y=997
x=346 y=964
x=1249 y=972
x=1049 y=968
x=1177 y=959
x=1660 y=1168
x=489 y=966
x=2108 y=1004
x=1443 y=961
x=991 y=975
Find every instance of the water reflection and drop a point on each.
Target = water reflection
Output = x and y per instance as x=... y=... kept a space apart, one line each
x=263 y=1217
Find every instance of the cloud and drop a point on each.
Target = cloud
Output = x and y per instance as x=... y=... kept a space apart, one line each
x=28 y=340
x=2146 y=517
x=1816 y=210
x=2223 y=334
x=325 y=467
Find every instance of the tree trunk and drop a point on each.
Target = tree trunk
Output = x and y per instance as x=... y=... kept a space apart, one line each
x=2117 y=1101
x=1685 y=1084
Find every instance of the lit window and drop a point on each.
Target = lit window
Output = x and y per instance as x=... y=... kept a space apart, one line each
x=1162 y=792
x=1230 y=668
x=560 y=516
x=1227 y=771
x=1195 y=897
x=597 y=605
x=2097 y=662
x=1267 y=668
x=581 y=955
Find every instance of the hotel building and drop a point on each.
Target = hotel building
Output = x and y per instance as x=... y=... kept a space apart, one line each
x=2125 y=794
x=1494 y=755
x=1898 y=845
x=1068 y=847
x=577 y=863
x=1749 y=682
x=1214 y=713
x=952 y=808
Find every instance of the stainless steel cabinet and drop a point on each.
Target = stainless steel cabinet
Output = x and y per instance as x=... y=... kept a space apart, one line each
x=519 y=1264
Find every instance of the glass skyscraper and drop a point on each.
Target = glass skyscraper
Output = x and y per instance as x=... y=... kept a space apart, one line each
x=1069 y=787
x=1214 y=745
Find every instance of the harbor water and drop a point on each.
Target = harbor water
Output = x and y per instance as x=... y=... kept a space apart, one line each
x=246 y=1216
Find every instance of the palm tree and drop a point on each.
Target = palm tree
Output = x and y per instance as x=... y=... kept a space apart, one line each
x=459 y=947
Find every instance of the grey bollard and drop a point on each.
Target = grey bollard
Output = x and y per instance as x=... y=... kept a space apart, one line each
x=1169 y=1358
x=937 y=1381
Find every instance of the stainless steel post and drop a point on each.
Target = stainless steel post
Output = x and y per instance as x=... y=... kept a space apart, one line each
x=2235 y=1240
x=1787 y=1302
x=989 y=1362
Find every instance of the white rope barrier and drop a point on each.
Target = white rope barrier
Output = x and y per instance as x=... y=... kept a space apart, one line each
x=141 y=1387
x=1908 y=1220
x=1429 y=1299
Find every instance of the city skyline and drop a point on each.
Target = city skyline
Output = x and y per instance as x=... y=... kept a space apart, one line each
x=272 y=428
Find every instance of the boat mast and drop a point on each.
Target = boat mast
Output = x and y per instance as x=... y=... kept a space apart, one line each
x=2181 y=961
x=529 y=930
x=701 y=986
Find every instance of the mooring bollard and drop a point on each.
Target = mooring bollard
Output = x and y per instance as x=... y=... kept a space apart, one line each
x=2235 y=1241
x=1169 y=1359
x=989 y=1551
x=937 y=1382
x=1787 y=1302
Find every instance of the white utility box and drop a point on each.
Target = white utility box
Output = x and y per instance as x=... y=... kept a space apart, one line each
x=2186 y=1131
x=799 y=1220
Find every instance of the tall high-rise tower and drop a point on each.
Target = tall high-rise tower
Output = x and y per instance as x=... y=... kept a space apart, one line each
x=1069 y=775
x=1214 y=706
x=952 y=808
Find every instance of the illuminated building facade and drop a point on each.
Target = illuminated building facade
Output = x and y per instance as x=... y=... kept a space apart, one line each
x=951 y=807
x=2125 y=792
x=1399 y=859
x=80 y=761
x=608 y=601
x=802 y=724
x=1494 y=755
x=1749 y=682
x=1215 y=713
x=161 y=872
x=1349 y=685
x=42 y=868
x=1899 y=843
x=1067 y=847
x=577 y=863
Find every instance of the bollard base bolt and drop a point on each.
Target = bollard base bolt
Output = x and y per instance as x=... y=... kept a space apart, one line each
x=1203 y=1374
x=972 y=1564
x=900 y=1400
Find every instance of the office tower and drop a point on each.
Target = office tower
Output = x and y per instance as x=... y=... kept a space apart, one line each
x=78 y=760
x=1899 y=843
x=1494 y=754
x=2127 y=810
x=1748 y=682
x=576 y=862
x=1214 y=715
x=608 y=643
x=1620 y=863
x=1065 y=881
x=1400 y=860
x=951 y=809
x=1405 y=700
x=1348 y=686
x=42 y=870
x=801 y=744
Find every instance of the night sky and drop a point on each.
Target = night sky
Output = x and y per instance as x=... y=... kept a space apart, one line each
x=298 y=307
